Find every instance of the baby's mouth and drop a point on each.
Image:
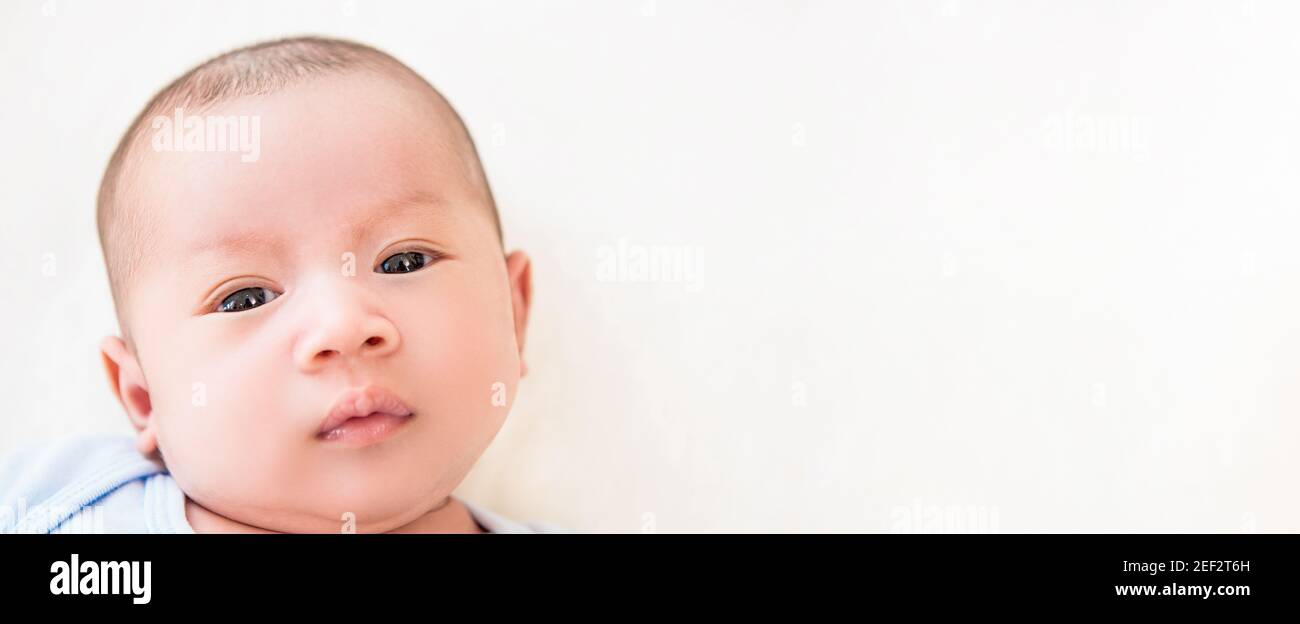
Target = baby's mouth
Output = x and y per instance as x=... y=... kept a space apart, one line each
x=363 y=416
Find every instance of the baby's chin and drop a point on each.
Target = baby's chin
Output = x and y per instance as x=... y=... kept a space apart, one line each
x=337 y=498
x=376 y=511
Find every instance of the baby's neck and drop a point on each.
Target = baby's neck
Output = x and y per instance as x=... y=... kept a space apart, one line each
x=451 y=516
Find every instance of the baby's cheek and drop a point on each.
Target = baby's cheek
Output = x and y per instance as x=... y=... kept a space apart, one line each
x=471 y=338
x=221 y=422
x=462 y=406
x=468 y=370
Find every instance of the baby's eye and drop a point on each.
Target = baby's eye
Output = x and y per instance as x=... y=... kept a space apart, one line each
x=246 y=299
x=404 y=262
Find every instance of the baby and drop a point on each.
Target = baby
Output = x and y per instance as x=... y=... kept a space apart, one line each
x=320 y=330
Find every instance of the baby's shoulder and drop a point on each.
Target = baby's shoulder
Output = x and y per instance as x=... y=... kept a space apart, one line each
x=43 y=485
x=493 y=522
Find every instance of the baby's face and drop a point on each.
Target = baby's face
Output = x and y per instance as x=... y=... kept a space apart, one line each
x=356 y=253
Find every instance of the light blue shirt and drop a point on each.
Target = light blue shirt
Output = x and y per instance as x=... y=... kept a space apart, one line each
x=100 y=483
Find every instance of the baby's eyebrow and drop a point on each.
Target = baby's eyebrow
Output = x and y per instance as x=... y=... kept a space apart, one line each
x=392 y=208
x=251 y=240
x=238 y=241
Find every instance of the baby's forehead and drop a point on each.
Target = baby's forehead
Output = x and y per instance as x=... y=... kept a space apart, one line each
x=317 y=123
x=363 y=112
x=325 y=151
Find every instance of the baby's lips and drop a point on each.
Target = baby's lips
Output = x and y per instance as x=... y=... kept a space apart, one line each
x=361 y=402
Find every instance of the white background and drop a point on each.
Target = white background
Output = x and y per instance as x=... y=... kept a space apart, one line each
x=1023 y=266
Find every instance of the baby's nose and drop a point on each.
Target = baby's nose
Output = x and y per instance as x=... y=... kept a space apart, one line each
x=345 y=336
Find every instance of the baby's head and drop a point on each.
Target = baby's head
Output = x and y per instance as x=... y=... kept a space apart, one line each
x=348 y=253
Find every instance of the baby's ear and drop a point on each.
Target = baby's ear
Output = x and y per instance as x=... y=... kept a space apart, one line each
x=129 y=386
x=520 y=274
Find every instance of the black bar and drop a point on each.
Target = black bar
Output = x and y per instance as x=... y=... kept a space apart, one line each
x=908 y=571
